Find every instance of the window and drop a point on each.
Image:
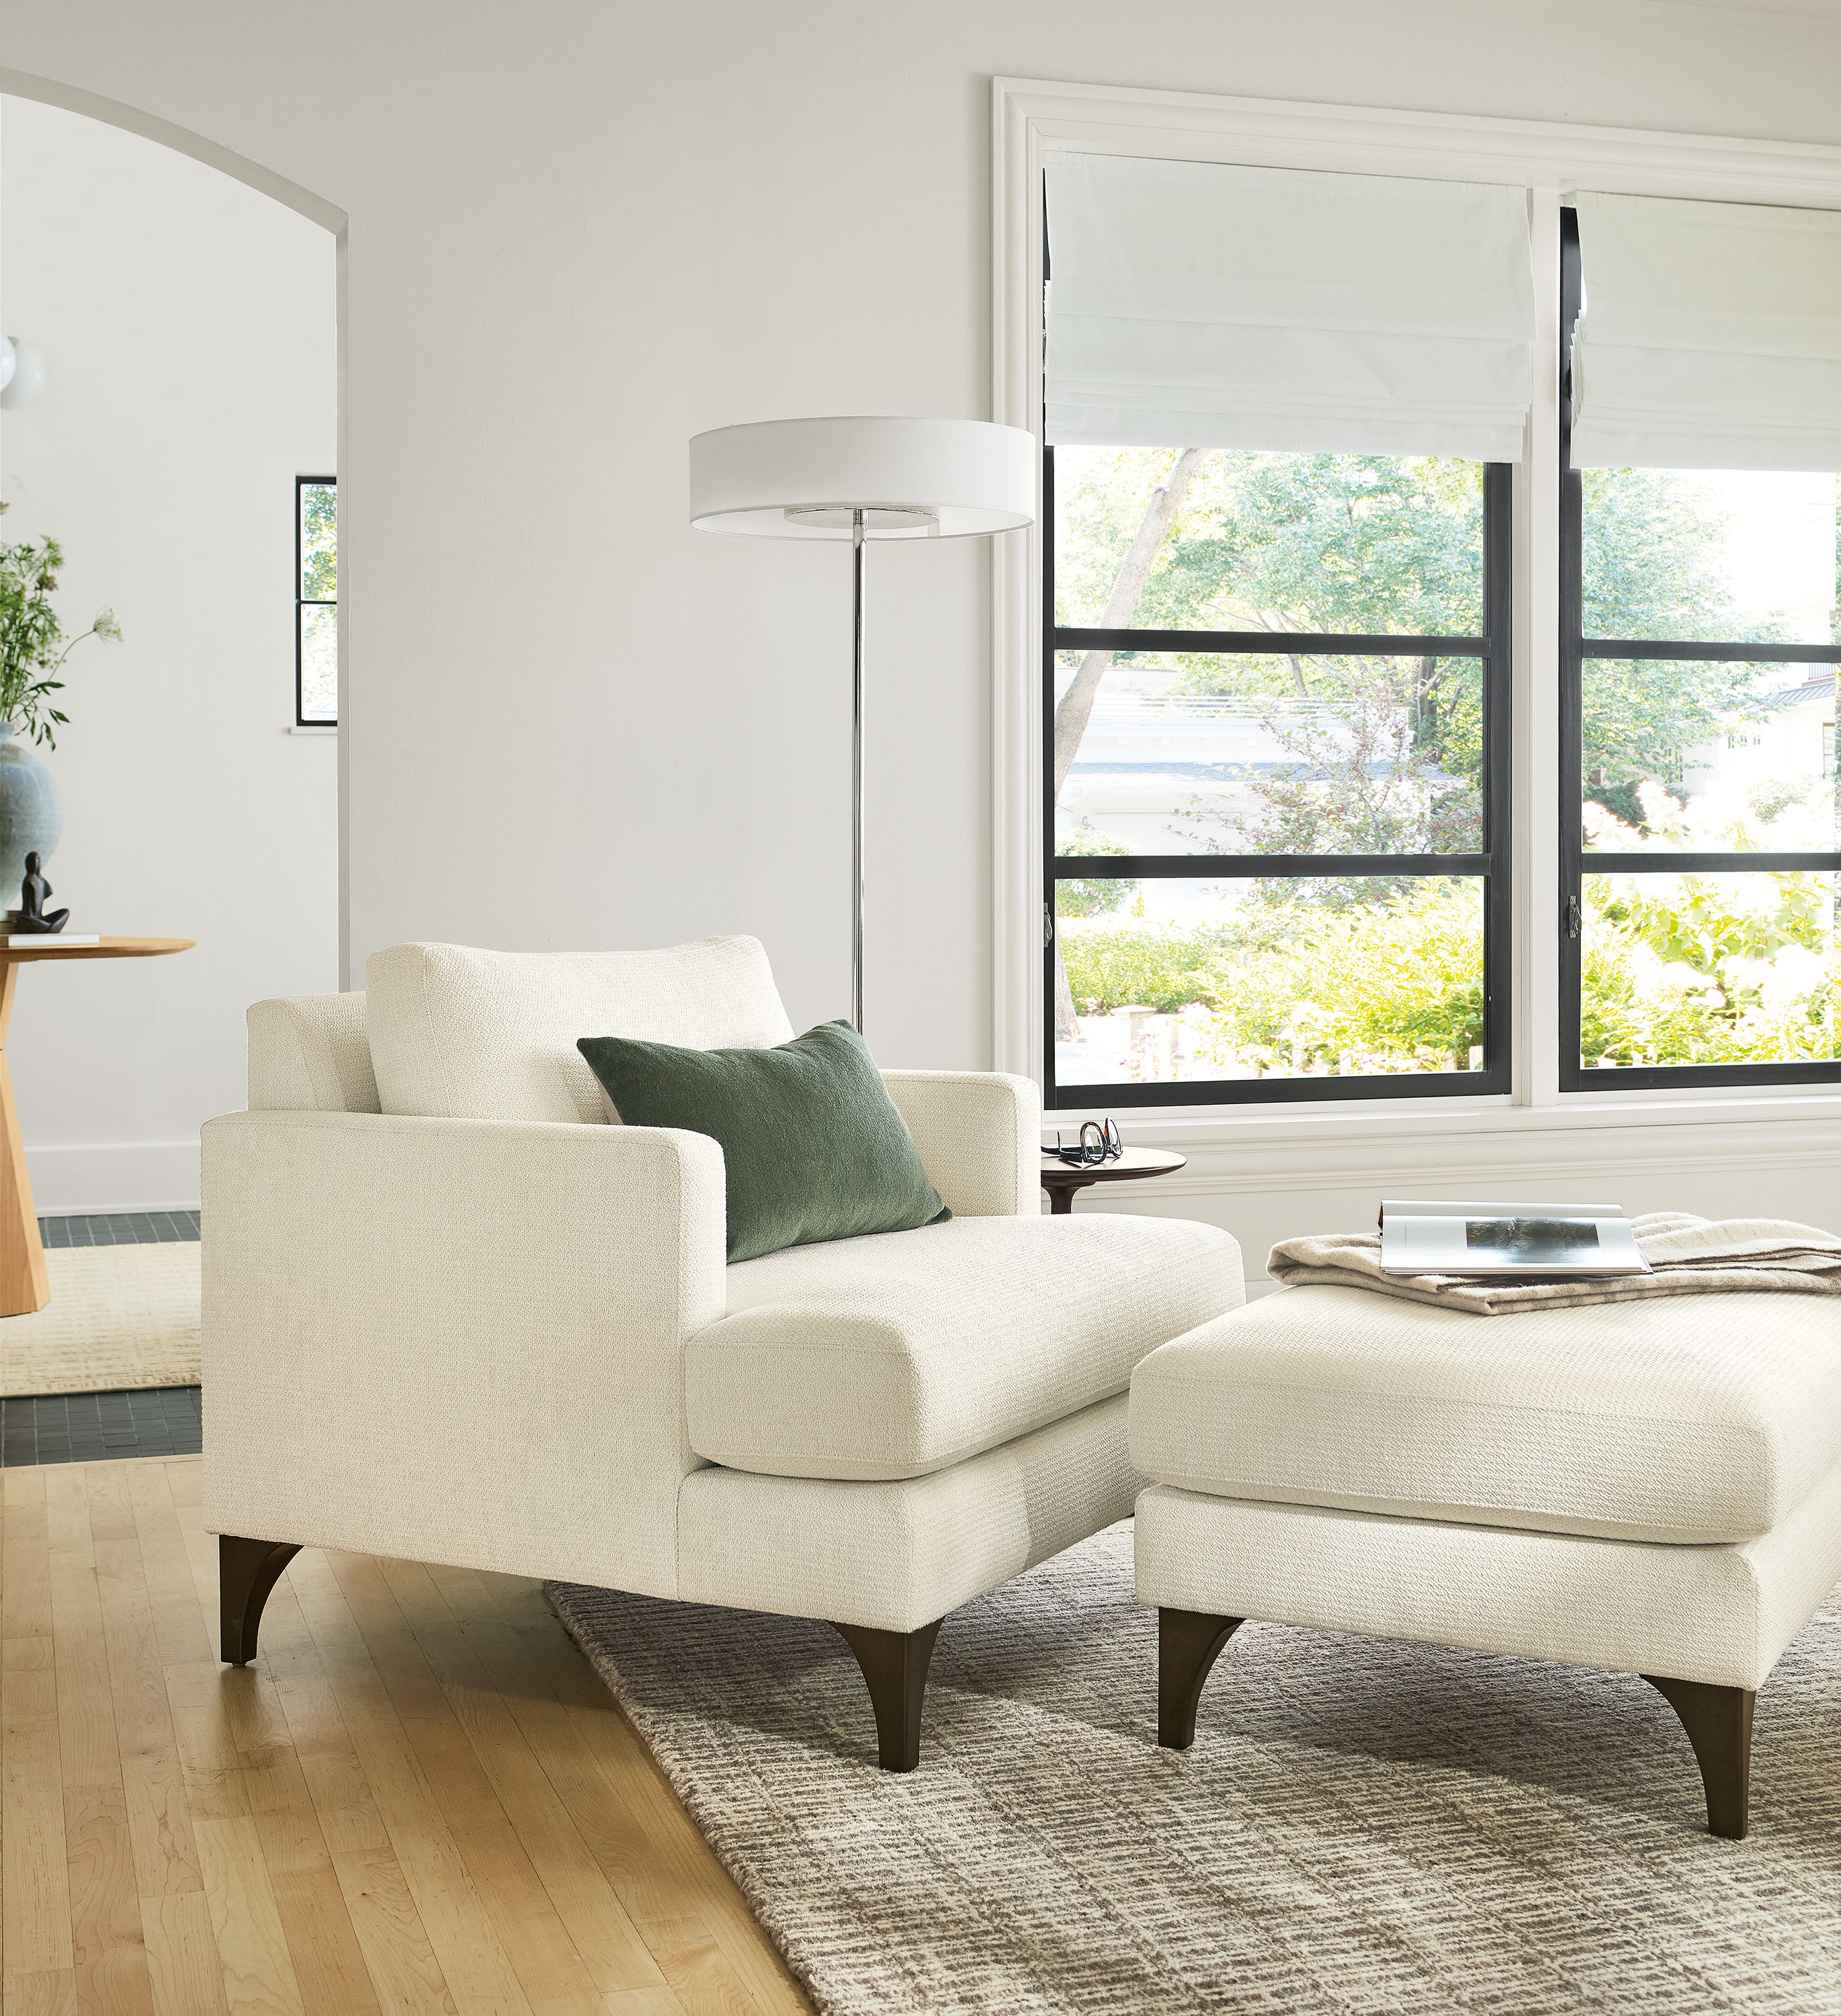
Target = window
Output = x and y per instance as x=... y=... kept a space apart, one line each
x=1277 y=868
x=1275 y=679
x=316 y=601
x=1699 y=837
x=1300 y=435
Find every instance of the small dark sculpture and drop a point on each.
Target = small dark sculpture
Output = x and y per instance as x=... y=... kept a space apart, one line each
x=31 y=917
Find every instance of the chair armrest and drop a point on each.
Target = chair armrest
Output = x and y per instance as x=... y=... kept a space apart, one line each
x=979 y=1138
x=458 y=1341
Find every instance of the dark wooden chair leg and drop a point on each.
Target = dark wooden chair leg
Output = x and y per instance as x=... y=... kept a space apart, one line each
x=247 y=1570
x=1188 y=1643
x=1718 y=1721
x=894 y=1665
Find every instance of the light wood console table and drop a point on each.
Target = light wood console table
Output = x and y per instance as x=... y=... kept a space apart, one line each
x=23 y=1284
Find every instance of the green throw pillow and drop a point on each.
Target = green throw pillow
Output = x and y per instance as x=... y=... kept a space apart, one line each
x=811 y=1141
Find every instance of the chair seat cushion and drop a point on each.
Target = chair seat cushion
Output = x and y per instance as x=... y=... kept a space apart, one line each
x=1701 y=1419
x=898 y=1354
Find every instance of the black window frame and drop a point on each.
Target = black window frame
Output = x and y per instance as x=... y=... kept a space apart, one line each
x=1492 y=864
x=303 y=602
x=1575 y=861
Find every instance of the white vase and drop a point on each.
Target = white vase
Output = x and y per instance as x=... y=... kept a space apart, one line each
x=32 y=813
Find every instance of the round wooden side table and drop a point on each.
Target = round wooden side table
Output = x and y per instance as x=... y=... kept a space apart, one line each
x=1060 y=1179
x=24 y=1286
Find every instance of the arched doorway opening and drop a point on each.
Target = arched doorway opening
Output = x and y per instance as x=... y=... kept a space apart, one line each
x=186 y=306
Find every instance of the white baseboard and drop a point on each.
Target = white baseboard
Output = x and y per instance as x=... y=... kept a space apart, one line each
x=124 y=1175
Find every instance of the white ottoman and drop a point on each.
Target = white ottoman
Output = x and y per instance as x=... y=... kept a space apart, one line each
x=1651 y=1487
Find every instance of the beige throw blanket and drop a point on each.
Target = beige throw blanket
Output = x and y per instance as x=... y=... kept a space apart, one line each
x=1691 y=1256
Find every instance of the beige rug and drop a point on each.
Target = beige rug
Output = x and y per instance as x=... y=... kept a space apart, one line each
x=1363 y=1826
x=119 y=1316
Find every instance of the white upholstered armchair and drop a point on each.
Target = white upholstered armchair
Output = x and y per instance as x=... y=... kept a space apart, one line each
x=451 y=1313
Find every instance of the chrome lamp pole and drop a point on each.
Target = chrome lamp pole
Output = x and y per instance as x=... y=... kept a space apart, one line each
x=857 y=771
x=862 y=479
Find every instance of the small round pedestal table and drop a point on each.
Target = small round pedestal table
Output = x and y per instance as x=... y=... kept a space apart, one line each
x=1060 y=1179
x=24 y=1286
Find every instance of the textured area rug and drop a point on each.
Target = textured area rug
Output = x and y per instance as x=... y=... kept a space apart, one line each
x=1362 y=1825
x=119 y=1317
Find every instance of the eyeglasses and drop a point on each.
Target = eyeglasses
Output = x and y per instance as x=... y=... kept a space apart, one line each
x=1098 y=1143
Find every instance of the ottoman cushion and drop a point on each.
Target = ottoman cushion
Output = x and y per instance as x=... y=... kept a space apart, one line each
x=1699 y=1419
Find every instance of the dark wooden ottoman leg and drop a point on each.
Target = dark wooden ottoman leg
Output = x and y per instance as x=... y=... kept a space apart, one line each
x=1188 y=1643
x=894 y=1665
x=1718 y=1721
x=247 y=1570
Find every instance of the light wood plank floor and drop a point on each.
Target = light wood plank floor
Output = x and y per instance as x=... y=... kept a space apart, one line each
x=418 y=1798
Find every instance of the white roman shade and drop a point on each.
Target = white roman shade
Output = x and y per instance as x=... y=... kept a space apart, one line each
x=1711 y=337
x=1193 y=305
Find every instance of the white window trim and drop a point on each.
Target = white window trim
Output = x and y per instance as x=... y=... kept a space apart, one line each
x=1030 y=118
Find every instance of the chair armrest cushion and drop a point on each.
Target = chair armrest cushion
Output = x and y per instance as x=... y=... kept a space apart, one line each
x=456 y=1340
x=310 y=1053
x=979 y=1138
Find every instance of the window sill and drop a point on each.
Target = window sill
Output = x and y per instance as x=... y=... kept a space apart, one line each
x=1807 y=1120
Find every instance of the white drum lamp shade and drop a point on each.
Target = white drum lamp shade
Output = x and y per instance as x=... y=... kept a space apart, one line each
x=862 y=478
x=911 y=479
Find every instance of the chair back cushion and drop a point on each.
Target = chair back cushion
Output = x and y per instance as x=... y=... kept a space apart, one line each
x=462 y=1034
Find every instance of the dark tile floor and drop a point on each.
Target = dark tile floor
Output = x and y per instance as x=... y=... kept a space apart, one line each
x=120 y=1228
x=78 y=1427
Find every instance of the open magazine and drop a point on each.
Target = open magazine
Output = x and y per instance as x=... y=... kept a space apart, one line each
x=1420 y=1238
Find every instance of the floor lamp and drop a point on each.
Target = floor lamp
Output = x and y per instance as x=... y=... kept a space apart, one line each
x=861 y=480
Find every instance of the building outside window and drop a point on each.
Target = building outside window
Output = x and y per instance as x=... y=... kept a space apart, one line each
x=1282 y=418
x=316 y=601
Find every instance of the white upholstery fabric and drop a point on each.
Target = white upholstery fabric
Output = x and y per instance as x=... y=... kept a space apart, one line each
x=897 y=1555
x=977 y=1132
x=462 y=1340
x=898 y=1354
x=491 y=1035
x=1701 y=1420
x=979 y=1138
x=1722 y=1614
x=456 y=1340
x=310 y=1054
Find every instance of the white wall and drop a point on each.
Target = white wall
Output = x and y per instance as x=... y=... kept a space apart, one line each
x=579 y=233
x=190 y=325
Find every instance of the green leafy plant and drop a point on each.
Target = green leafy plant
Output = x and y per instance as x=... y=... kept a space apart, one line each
x=1676 y=969
x=33 y=645
x=1292 y=989
x=1120 y=962
x=1708 y=969
x=1080 y=897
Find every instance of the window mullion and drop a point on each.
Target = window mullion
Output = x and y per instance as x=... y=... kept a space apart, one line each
x=1570 y=800
x=1261 y=643
x=1537 y=710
